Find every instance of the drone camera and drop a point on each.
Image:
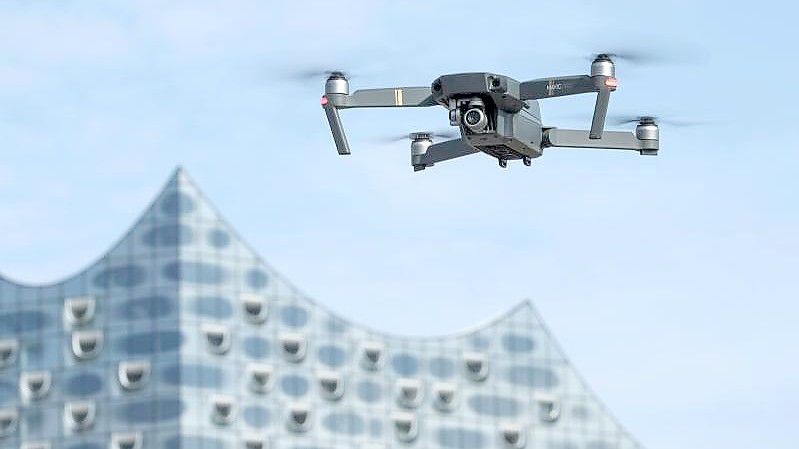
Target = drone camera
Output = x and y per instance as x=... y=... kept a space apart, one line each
x=475 y=120
x=472 y=114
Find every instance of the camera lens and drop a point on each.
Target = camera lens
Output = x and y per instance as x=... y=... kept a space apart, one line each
x=473 y=117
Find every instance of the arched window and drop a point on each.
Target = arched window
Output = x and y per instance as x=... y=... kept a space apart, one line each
x=79 y=311
x=409 y=392
x=8 y=352
x=223 y=410
x=34 y=385
x=255 y=308
x=331 y=385
x=444 y=396
x=261 y=378
x=299 y=418
x=217 y=338
x=476 y=366
x=406 y=427
x=8 y=421
x=126 y=440
x=133 y=375
x=513 y=436
x=87 y=345
x=79 y=415
x=293 y=346
x=372 y=355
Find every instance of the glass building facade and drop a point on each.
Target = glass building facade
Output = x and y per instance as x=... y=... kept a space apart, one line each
x=182 y=337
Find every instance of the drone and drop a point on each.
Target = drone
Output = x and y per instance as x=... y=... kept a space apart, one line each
x=495 y=114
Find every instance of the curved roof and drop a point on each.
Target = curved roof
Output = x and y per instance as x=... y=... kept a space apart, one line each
x=182 y=248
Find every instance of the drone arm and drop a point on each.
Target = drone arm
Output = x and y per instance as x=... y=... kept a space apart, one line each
x=385 y=98
x=370 y=98
x=611 y=140
x=573 y=85
x=440 y=152
x=556 y=87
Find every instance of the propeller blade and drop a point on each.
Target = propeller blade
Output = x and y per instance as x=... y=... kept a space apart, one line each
x=628 y=56
x=441 y=134
x=628 y=119
x=649 y=54
x=321 y=74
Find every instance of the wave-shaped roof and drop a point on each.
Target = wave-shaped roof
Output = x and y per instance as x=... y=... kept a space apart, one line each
x=183 y=265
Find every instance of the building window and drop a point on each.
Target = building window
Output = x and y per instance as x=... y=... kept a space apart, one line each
x=79 y=415
x=293 y=346
x=253 y=442
x=261 y=378
x=34 y=385
x=441 y=367
x=409 y=392
x=223 y=410
x=294 y=385
x=87 y=345
x=255 y=308
x=299 y=418
x=294 y=316
x=548 y=406
x=217 y=338
x=405 y=426
x=332 y=355
x=476 y=366
x=404 y=364
x=372 y=356
x=369 y=391
x=133 y=375
x=331 y=385
x=79 y=311
x=8 y=352
x=8 y=421
x=126 y=440
x=444 y=396
x=513 y=436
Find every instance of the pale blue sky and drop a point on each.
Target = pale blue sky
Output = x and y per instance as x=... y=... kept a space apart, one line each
x=670 y=281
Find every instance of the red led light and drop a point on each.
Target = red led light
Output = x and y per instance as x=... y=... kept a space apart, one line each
x=324 y=100
x=612 y=82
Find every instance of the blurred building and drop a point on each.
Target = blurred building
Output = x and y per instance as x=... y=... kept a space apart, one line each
x=182 y=337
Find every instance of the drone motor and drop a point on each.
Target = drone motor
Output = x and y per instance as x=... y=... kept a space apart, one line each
x=603 y=66
x=337 y=84
x=647 y=131
x=420 y=142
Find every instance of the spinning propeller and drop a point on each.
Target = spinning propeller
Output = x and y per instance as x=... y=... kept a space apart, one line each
x=651 y=119
x=654 y=56
x=441 y=134
x=310 y=74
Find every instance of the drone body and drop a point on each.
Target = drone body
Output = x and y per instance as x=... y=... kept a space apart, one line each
x=495 y=114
